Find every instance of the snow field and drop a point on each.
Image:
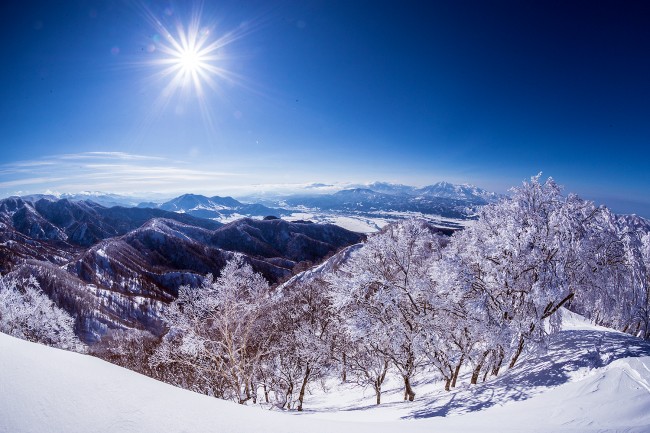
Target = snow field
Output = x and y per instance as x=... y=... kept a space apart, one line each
x=591 y=380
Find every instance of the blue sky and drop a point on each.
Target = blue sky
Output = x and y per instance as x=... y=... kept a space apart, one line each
x=488 y=93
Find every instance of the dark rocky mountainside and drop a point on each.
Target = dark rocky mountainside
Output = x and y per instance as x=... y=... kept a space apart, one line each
x=82 y=223
x=297 y=241
x=118 y=267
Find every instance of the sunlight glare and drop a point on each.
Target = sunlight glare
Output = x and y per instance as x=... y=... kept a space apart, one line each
x=190 y=63
x=189 y=60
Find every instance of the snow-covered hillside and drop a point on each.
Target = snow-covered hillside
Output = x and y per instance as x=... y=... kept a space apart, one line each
x=591 y=379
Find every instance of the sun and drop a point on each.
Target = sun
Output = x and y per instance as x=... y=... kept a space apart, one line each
x=190 y=59
x=189 y=55
x=189 y=62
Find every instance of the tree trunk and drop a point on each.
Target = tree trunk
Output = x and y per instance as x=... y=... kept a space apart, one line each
x=520 y=348
x=409 y=394
x=266 y=393
x=247 y=391
x=456 y=371
x=253 y=392
x=475 y=374
x=344 y=372
x=447 y=384
x=379 y=381
x=287 y=400
x=497 y=365
x=478 y=368
x=302 y=388
x=377 y=387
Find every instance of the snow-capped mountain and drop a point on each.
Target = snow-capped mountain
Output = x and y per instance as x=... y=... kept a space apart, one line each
x=373 y=202
x=218 y=208
x=368 y=201
x=466 y=192
x=390 y=188
x=81 y=223
x=104 y=198
x=463 y=192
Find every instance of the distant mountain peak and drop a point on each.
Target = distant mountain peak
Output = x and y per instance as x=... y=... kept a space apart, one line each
x=464 y=191
x=357 y=191
x=216 y=207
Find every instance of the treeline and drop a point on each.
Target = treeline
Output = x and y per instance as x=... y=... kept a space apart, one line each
x=409 y=301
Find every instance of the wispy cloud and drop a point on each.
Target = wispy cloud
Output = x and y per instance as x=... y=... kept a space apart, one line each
x=105 y=171
x=127 y=173
x=108 y=155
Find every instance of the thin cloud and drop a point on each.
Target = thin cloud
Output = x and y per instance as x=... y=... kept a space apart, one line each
x=108 y=155
x=105 y=171
x=29 y=181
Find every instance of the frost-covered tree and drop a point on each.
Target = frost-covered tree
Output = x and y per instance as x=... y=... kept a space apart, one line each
x=463 y=332
x=643 y=289
x=626 y=304
x=217 y=332
x=128 y=348
x=27 y=313
x=302 y=345
x=526 y=257
x=383 y=289
x=368 y=363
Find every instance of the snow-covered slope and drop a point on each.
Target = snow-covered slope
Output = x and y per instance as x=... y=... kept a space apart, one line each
x=590 y=380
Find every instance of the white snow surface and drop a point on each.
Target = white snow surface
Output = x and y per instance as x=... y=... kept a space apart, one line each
x=590 y=380
x=366 y=223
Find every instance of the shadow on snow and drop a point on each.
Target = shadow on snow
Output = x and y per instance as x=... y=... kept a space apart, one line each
x=569 y=352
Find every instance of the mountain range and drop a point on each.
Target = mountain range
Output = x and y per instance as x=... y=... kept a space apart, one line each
x=448 y=190
x=374 y=200
x=117 y=267
x=378 y=199
x=368 y=201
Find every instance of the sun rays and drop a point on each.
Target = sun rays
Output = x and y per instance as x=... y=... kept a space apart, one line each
x=189 y=63
x=190 y=60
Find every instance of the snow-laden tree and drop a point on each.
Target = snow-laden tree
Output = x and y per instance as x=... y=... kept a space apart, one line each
x=27 y=313
x=526 y=257
x=367 y=365
x=383 y=293
x=303 y=339
x=643 y=289
x=627 y=305
x=467 y=333
x=363 y=355
x=218 y=332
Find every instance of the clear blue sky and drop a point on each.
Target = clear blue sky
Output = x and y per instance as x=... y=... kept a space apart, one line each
x=484 y=92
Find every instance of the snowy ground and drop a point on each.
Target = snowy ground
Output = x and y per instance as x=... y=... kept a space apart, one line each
x=591 y=380
x=372 y=222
